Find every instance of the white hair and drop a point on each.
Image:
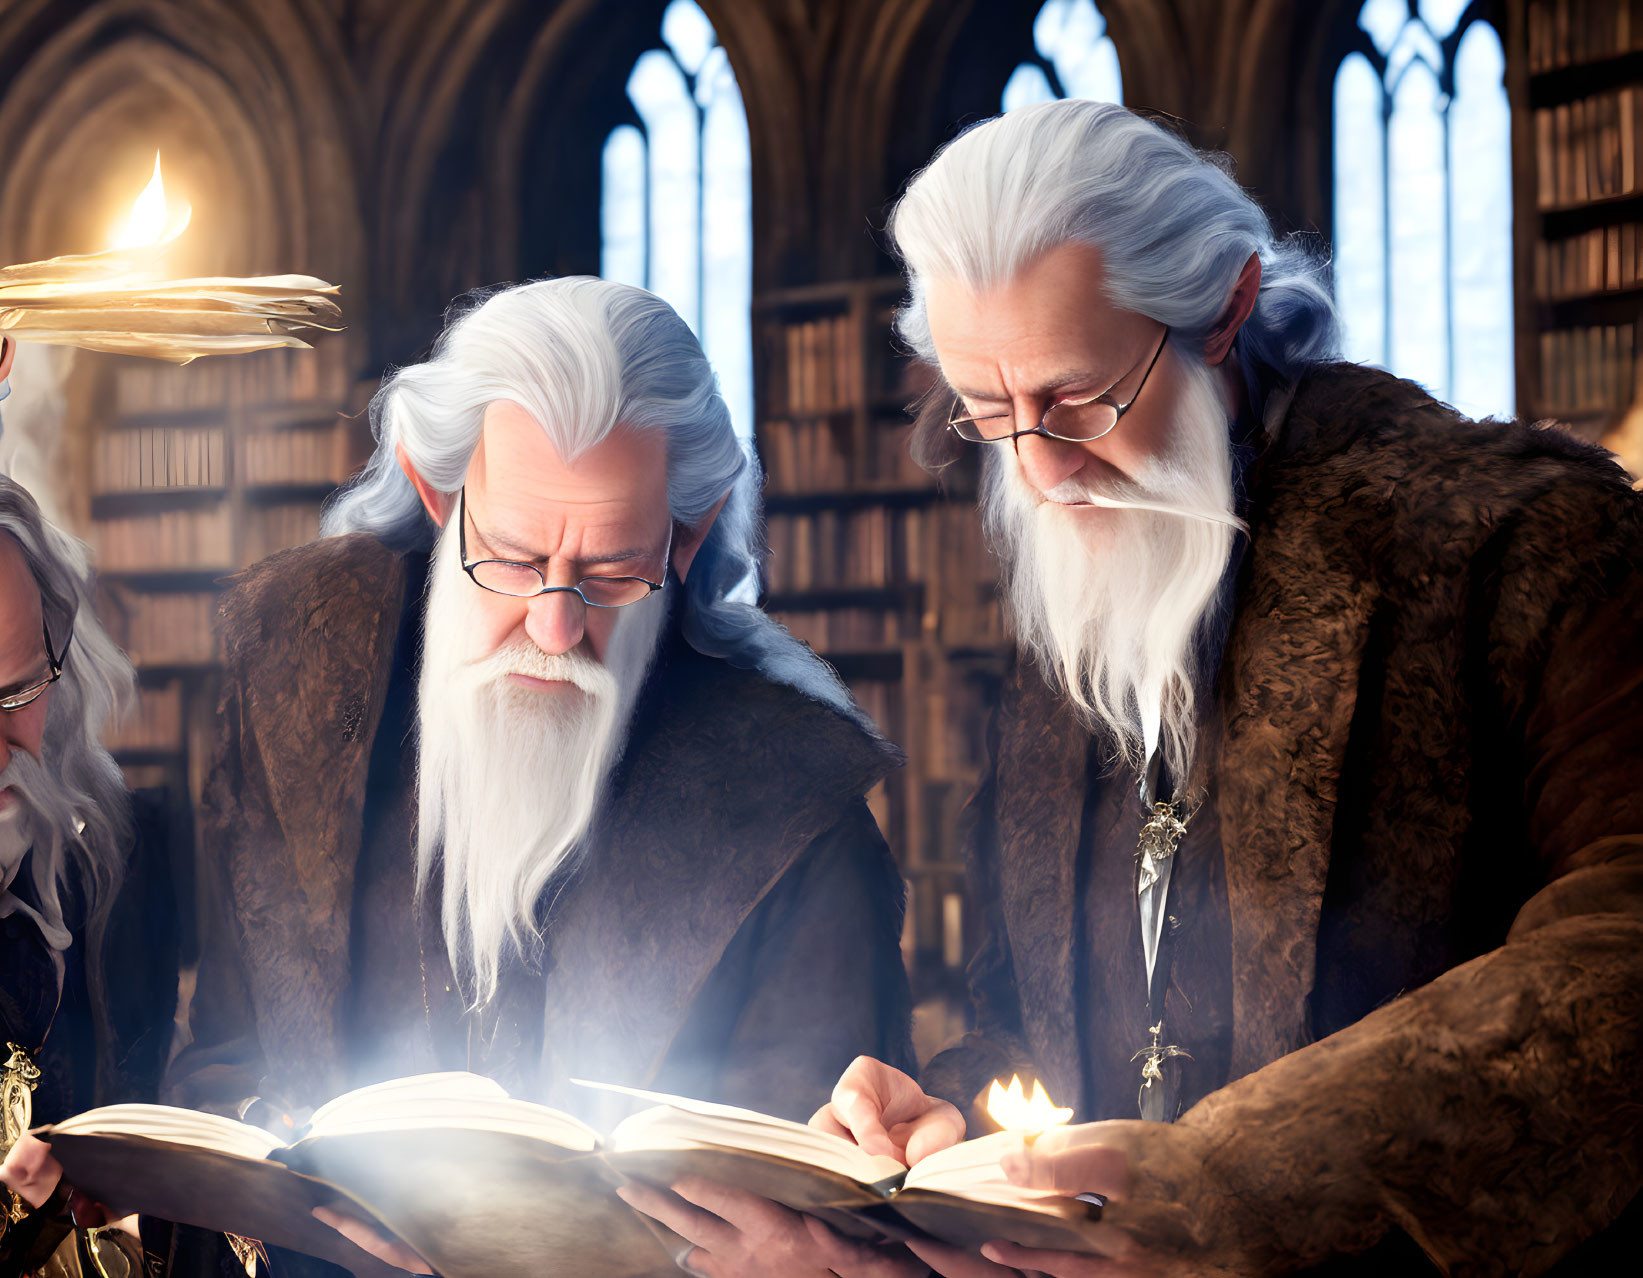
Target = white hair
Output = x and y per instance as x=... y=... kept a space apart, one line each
x=580 y=355
x=75 y=800
x=1111 y=601
x=1173 y=227
x=509 y=779
x=1114 y=604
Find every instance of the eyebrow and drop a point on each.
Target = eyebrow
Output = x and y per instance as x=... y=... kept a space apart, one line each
x=526 y=555
x=1054 y=386
x=23 y=685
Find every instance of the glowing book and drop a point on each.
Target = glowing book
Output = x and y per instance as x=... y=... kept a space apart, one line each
x=486 y=1186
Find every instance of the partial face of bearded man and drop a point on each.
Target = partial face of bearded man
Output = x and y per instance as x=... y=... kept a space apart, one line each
x=524 y=703
x=36 y=811
x=1113 y=549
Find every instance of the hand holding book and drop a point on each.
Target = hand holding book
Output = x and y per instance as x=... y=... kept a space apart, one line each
x=479 y=1183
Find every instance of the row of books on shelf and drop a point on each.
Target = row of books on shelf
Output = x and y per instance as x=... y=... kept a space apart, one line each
x=155 y=724
x=971 y=616
x=935 y=920
x=817 y=456
x=820 y=369
x=844 y=629
x=1602 y=260
x=1589 y=149
x=1568 y=32
x=158 y=457
x=275 y=528
x=266 y=377
x=1585 y=371
x=166 y=629
x=881 y=700
x=169 y=540
x=951 y=739
x=294 y=457
x=875 y=547
x=200 y=540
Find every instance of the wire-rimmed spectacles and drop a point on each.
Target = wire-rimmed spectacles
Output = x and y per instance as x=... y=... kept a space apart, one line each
x=520 y=580
x=27 y=696
x=1074 y=421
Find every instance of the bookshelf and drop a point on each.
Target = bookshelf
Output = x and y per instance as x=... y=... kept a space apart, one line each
x=1585 y=100
x=196 y=473
x=883 y=573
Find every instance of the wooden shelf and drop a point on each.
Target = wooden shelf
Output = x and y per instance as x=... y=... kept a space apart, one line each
x=865 y=663
x=1582 y=80
x=311 y=415
x=137 y=419
x=169 y=579
x=1609 y=306
x=142 y=501
x=291 y=490
x=844 y=597
x=1575 y=219
x=814 y=296
x=897 y=495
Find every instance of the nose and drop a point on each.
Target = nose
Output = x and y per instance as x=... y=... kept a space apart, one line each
x=555 y=622
x=1048 y=463
x=5 y=741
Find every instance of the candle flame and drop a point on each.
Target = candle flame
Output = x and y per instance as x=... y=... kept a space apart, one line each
x=148 y=223
x=1012 y=1110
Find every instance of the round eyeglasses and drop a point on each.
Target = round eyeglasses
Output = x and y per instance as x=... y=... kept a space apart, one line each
x=27 y=695
x=1073 y=421
x=521 y=580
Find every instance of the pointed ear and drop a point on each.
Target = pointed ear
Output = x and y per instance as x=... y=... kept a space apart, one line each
x=437 y=504
x=687 y=541
x=1238 y=307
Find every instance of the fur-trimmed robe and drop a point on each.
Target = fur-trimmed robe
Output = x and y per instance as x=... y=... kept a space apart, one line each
x=732 y=930
x=1430 y=771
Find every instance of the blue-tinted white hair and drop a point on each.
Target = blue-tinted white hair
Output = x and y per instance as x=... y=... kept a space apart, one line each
x=580 y=355
x=1173 y=227
x=96 y=687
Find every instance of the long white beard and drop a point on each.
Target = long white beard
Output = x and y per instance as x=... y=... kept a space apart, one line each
x=34 y=836
x=509 y=778
x=1110 y=601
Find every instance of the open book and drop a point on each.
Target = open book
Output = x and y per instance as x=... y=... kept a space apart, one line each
x=486 y=1186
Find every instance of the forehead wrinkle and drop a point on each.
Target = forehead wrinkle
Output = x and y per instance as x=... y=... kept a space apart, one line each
x=500 y=541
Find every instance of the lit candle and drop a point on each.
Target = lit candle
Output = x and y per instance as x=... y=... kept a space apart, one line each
x=147 y=222
x=1013 y=1110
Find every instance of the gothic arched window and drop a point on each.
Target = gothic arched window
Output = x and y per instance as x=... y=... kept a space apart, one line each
x=676 y=210
x=1423 y=201
x=1073 y=58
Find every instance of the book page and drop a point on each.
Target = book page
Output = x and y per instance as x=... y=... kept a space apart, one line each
x=678 y=1123
x=970 y=1169
x=458 y=1100
x=176 y=1126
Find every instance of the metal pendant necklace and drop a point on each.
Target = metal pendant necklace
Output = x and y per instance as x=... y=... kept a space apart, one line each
x=1160 y=837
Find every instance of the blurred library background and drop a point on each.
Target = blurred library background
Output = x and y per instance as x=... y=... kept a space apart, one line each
x=1475 y=170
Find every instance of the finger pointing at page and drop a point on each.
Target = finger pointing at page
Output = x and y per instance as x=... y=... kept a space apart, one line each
x=885 y=1112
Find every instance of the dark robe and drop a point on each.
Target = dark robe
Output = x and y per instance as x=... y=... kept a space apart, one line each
x=731 y=930
x=1409 y=939
x=100 y=1036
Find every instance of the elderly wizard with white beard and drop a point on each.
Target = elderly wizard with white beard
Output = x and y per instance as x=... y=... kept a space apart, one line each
x=507 y=779
x=1315 y=826
x=88 y=923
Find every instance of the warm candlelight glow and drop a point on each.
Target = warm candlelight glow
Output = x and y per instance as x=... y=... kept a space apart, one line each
x=148 y=223
x=1012 y=1110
